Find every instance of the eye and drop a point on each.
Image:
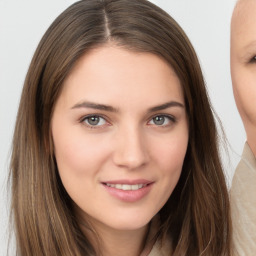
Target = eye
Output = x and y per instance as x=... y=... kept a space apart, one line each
x=94 y=121
x=162 y=120
x=253 y=59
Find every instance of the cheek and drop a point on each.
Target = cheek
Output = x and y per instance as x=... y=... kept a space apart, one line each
x=77 y=154
x=79 y=160
x=244 y=83
x=171 y=152
x=170 y=157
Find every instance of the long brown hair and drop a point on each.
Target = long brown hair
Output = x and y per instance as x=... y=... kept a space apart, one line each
x=196 y=217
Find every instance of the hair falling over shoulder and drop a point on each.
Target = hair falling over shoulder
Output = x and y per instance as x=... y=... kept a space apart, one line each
x=196 y=217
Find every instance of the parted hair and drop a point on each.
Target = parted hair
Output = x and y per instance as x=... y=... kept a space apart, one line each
x=196 y=217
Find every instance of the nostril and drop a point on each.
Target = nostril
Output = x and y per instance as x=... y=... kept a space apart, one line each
x=130 y=149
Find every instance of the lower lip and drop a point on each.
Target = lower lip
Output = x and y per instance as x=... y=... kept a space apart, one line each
x=129 y=195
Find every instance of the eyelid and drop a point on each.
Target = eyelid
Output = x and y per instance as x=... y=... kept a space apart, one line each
x=83 y=118
x=250 y=58
x=172 y=118
x=253 y=59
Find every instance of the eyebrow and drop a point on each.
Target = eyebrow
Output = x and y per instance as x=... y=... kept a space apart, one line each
x=166 y=105
x=250 y=44
x=87 y=104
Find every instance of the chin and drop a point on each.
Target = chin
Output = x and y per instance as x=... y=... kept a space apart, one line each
x=129 y=222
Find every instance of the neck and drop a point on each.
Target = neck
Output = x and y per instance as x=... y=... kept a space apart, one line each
x=117 y=242
x=251 y=139
x=252 y=147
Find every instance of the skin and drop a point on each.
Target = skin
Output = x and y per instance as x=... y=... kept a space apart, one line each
x=126 y=144
x=243 y=65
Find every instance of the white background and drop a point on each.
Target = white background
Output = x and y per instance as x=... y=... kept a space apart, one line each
x=22 y=24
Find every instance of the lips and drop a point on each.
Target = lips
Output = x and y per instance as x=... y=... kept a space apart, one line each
x=127 y=190
x=126 y=186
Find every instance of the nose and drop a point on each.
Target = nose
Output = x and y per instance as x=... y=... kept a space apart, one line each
x=130 y=151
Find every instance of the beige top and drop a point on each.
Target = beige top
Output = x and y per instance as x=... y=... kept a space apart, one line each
x=159 y=250
x=153 y=246
x=243 y=205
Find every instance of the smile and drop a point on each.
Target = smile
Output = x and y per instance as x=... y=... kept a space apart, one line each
x=128 y=190
x=126 y=186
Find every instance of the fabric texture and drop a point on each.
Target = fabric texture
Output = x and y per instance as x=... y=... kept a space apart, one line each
x=153 y=247
x=243 y=205
x=159 y=250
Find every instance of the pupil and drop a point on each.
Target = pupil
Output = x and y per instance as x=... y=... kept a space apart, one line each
x=159 y=120
x=93 y=120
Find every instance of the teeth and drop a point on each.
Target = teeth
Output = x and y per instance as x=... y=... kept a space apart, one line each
x=118 y=186
x=126 y=186
x=135 y=187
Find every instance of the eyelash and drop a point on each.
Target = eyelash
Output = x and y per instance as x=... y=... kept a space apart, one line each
x=253 y=59
x=84 y=120
x=170 y=118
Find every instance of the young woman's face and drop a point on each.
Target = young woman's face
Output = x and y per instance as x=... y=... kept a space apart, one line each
x=120 y=136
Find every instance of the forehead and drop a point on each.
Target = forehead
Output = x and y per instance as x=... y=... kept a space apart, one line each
x=108 y=74
x=243 y=18
x=243 y=26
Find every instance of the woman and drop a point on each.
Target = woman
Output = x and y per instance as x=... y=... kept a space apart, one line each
x=243 y=60
x=115 y=150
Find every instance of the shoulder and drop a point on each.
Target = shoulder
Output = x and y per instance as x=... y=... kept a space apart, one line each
x=243 y=204
x=154 y=246
x=244 y=179
x=160 y=249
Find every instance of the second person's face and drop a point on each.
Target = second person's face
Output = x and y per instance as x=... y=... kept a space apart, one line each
x=243 y=63
x=120 y=136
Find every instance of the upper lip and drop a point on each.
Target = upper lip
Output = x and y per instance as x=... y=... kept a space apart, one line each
x=128 y=182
